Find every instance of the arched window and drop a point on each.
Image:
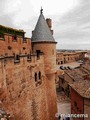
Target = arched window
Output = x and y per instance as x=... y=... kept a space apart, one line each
x=35 y=77
x=39 y=75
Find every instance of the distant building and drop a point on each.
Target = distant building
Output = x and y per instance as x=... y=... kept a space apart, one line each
x=72 y=75
x=67 y=57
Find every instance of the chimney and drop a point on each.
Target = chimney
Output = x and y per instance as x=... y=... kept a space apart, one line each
x=49 y=23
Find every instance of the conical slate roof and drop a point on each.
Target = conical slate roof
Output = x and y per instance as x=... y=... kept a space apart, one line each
x=42 y=31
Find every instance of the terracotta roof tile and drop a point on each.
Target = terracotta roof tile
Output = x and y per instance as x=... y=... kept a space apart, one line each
x=82 y=87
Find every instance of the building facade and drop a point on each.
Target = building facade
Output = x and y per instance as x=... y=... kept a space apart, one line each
x=80 y=100
x=67 y=57
x=72 y=75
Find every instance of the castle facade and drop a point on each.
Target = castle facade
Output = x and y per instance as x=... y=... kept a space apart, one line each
x=27 y=72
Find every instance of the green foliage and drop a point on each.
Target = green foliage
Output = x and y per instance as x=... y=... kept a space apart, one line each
x=12 y=31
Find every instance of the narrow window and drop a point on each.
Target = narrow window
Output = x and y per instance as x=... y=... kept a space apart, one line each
x=17 y=57
x=35 y=77
x=38 y=53
x=39 y=75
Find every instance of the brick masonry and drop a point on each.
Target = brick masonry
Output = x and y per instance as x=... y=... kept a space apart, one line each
x=22 y=96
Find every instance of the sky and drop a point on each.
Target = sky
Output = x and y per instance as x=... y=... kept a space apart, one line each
x=70 y=19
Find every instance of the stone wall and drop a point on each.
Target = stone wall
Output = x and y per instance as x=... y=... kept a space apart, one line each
x=27 y=83
x=8 y=46
x=49 y=50
x=22 y=96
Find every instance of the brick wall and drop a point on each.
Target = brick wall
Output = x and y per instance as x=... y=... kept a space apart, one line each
x=77 y=104
x=25 y=96
x=21 y=95
x=49 y=50
x=19 y=46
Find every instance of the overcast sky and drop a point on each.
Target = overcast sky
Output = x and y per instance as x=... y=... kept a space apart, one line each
x=71 y=19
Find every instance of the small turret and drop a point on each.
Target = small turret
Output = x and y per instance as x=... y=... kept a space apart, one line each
x=43 y=41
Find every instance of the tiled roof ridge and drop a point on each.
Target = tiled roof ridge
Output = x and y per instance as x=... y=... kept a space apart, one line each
x=82 y=87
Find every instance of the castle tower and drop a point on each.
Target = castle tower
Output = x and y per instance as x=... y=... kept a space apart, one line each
x=43 y=41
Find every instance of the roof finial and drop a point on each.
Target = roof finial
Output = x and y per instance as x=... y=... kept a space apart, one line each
x=41 y=11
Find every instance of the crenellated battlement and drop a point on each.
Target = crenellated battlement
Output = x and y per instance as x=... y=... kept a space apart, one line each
x=13 y=41
x=21 y=59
